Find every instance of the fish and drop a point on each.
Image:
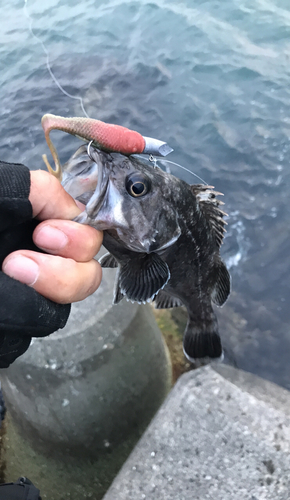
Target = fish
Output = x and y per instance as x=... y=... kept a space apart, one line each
x=162 y=234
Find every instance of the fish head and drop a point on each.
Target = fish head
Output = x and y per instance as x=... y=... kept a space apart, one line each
x=133 y=200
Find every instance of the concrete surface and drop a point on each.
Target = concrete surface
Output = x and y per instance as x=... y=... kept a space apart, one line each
x=222 y=434
x=87 y=387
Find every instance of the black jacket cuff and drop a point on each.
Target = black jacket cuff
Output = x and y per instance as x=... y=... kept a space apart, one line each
x=15 y=206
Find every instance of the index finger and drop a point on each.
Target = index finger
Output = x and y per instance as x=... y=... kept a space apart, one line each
x=48 y=198
x=68 y=239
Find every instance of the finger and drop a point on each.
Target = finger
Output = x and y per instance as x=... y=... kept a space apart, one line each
x=48 y=198
x=58 y=279
x=68 y=239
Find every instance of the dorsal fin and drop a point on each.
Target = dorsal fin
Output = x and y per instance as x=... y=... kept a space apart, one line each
x=209 y=205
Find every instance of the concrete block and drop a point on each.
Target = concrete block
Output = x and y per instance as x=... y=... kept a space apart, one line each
x=87 y=387
x=222 y=434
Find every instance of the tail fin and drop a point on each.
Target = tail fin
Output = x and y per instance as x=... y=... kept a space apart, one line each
x=201 y=341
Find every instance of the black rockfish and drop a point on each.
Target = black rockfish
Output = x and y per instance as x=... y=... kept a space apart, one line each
x=163 y=235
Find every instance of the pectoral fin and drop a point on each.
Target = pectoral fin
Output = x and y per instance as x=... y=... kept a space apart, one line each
x=143 y=277
x=165 y=301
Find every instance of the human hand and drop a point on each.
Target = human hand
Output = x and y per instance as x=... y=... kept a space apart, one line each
x=68 y=273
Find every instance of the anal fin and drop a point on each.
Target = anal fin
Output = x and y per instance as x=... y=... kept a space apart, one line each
x=222 y=287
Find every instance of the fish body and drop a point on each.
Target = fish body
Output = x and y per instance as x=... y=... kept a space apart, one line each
x=162 y=234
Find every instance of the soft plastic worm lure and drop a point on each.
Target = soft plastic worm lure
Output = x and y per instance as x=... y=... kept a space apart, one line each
x=106 y=136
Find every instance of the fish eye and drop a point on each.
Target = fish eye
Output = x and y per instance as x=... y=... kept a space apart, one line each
x=137 y=184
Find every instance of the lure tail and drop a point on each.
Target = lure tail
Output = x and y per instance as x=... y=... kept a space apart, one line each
x=202 y=340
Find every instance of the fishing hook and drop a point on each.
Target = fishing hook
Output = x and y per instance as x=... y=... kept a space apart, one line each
x=88 y=150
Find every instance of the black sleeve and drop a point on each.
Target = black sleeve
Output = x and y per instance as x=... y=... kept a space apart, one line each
x=22 y=489
x=14 y=191
x=23 y=312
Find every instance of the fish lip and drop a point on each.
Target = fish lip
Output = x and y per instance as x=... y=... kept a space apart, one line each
x=96 y=201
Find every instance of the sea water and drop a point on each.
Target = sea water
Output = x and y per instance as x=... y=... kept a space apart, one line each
x=210 y=78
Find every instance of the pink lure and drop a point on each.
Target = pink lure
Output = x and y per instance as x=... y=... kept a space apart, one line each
x=105 y=136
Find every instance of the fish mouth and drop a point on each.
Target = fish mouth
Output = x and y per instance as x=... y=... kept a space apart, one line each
x=95 y=202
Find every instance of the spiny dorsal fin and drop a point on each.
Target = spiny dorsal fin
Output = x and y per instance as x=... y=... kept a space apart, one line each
x=209 y=205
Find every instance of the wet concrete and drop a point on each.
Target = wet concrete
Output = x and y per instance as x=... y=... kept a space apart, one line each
x=221 y=434
x=87 y=387
x=79 y=399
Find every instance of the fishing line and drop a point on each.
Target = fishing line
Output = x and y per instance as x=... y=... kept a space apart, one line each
x=78 y=98
x=155 y=161
x=184 y=168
